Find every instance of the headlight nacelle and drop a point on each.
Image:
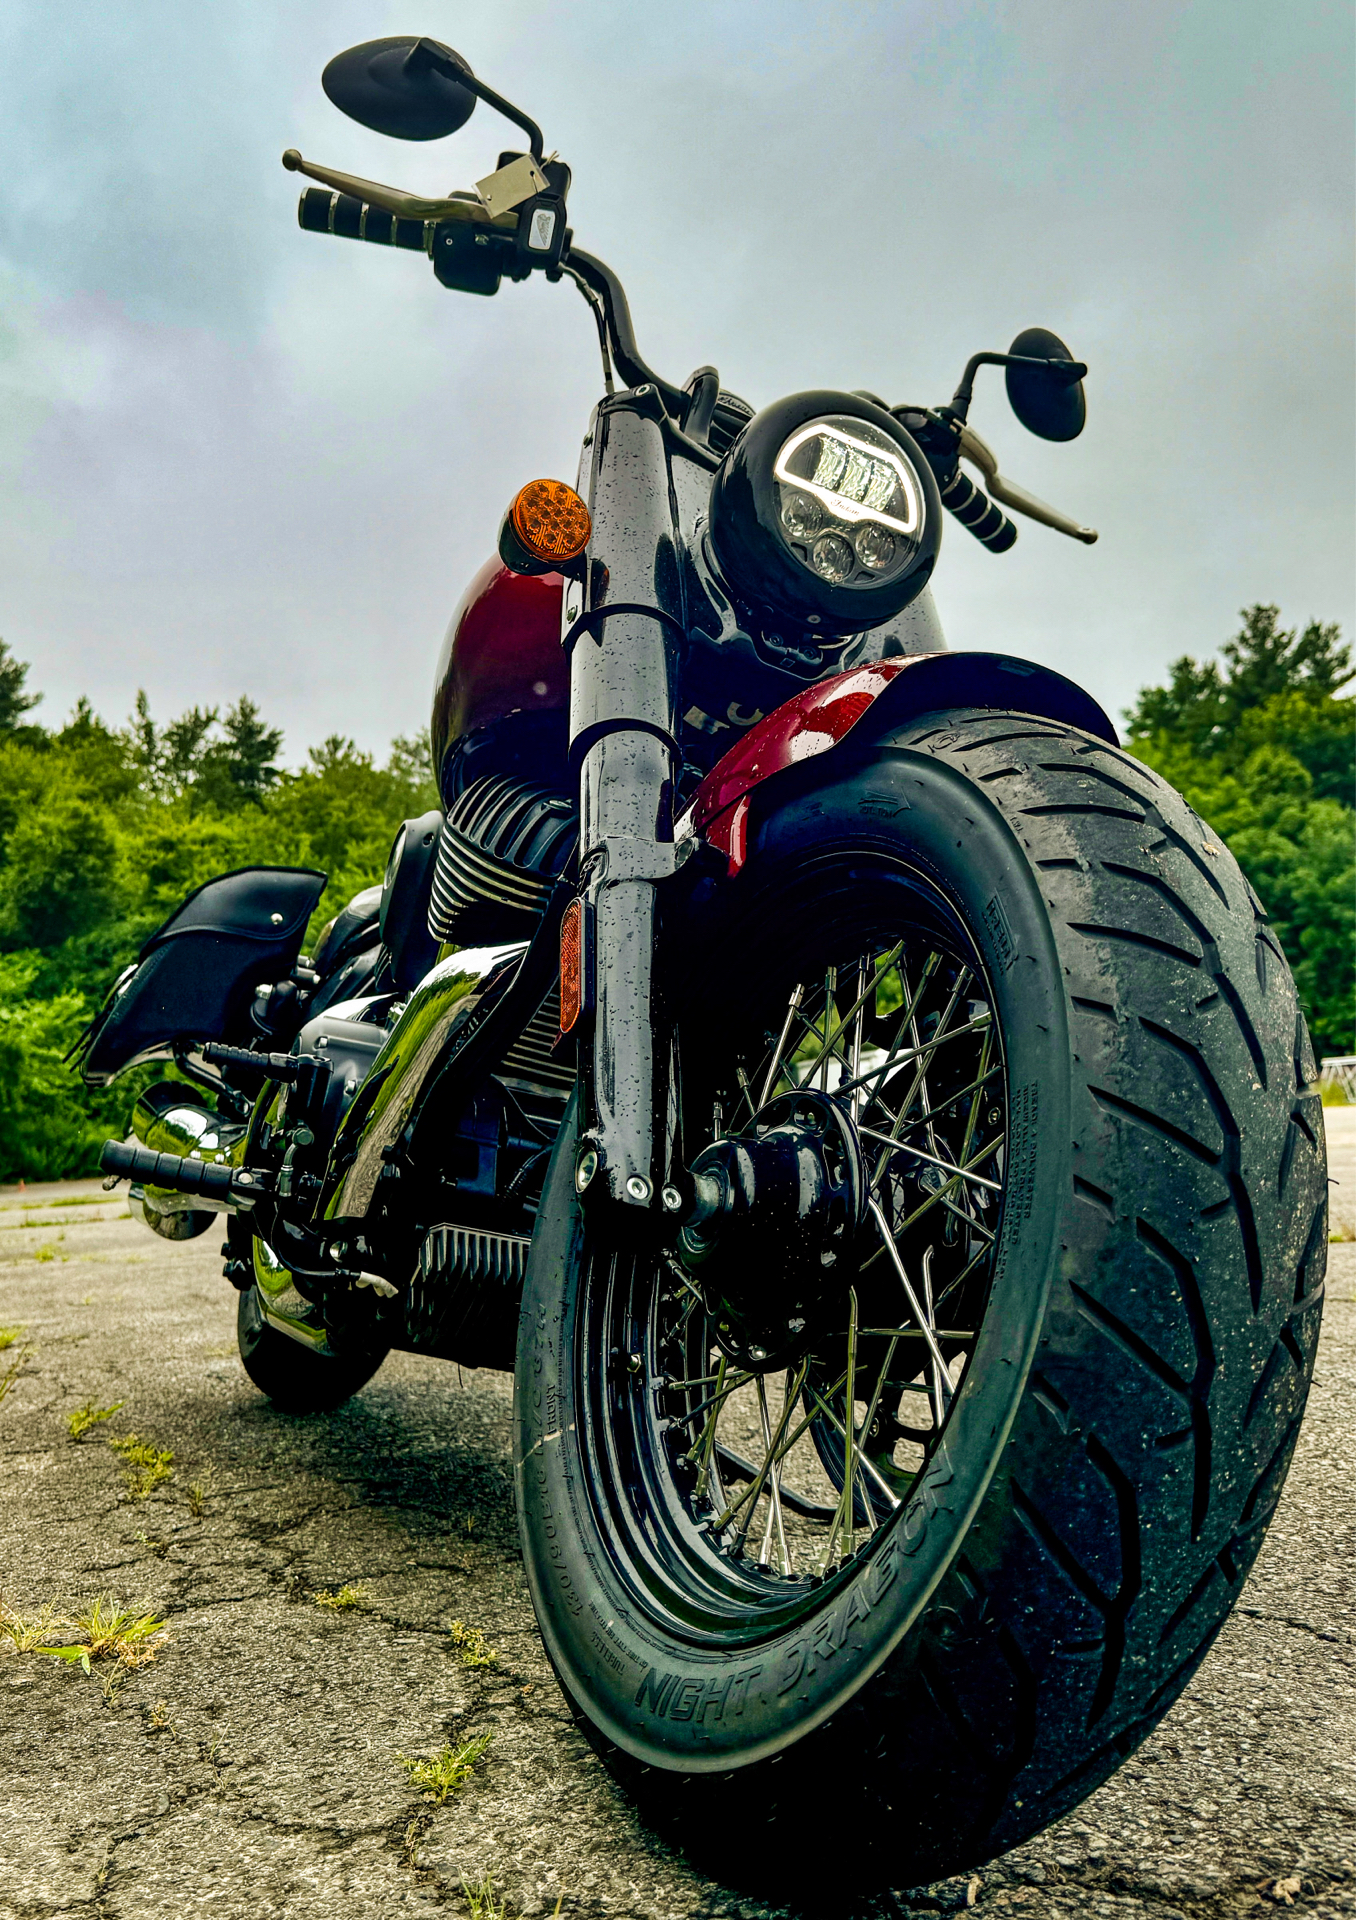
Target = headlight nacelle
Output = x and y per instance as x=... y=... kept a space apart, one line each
x=826 y=511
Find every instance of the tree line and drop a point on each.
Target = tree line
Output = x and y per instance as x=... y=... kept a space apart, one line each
x=104 y=829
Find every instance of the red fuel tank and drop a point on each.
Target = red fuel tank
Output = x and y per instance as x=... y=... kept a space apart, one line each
x=501 y=658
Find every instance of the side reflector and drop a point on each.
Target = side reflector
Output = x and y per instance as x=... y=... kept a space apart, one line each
x=571 y=965
x=551 y=521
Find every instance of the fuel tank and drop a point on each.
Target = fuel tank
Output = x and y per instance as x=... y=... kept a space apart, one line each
x=501 y=660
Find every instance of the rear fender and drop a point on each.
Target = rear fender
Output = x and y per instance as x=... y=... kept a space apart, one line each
x=863 y=702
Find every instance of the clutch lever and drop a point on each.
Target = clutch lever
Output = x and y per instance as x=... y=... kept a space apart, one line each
x=981 y=455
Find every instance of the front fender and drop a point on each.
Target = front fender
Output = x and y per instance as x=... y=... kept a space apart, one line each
x=870 y=699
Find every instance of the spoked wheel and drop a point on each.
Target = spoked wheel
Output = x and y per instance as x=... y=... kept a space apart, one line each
x=904 y=1512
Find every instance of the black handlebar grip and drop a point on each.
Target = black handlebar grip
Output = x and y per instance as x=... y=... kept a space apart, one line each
x=320 y=211
x=987 y=522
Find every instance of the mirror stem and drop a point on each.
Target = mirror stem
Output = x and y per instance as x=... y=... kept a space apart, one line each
x=444 y=61
x=959 y=408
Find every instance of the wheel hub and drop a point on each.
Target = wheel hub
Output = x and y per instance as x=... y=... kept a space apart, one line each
x=773 y=1213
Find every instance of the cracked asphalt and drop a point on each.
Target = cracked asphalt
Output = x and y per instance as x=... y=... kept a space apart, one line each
x=254 y=1768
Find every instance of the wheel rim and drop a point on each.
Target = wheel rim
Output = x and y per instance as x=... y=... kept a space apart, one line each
x=733 y=1496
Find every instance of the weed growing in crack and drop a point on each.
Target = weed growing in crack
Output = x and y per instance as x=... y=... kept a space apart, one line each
x=147 y=1466
x=157 y=1718
x=447 y=1770
x=14 y=1369
x=339 y=1599
x=199 y=1491
x=471 y=1643
x=111 y=1685
x=47 y=1252
x=107 y=1632
x=29 y=1630
x=90 y=1416
x=134 y=1638
x=8 y=1335
x=481 y=1900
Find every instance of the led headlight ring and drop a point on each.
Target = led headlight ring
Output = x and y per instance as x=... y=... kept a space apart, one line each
x=825 y=513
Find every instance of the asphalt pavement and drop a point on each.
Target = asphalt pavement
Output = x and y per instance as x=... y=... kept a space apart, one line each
x=256 y=1765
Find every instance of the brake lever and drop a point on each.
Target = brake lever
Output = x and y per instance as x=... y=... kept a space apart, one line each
x=981 y=455
x=407 y=206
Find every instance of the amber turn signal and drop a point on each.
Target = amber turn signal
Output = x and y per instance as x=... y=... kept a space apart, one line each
x=571 y=965
x=551 y=521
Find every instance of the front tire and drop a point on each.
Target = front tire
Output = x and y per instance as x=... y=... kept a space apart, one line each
x=1124 y=1396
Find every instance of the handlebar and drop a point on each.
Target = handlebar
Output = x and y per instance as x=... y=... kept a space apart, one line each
x=322 y=211
x=975 y=511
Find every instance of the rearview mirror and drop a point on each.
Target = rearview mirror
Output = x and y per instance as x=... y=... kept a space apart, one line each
x=1048 y=401
x=401 y=88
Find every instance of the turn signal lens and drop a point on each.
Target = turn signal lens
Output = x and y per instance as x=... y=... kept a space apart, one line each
x=551 y=521
x=571 y=962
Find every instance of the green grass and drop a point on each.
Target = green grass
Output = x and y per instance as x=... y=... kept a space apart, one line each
x=147 y=1466
x=106 y=1632
x=339 y=1599
x=1333 y=1094
x=72 y=1200
x=27 y=1631
x=8 y=1335
x=471 y=1643
x=89 y=1416
x=483 y=1903
x=448 y=1769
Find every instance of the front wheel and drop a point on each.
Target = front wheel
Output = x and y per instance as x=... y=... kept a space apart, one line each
x=921 y=1544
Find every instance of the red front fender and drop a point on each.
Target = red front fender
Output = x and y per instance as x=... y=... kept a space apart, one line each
x=891 y=691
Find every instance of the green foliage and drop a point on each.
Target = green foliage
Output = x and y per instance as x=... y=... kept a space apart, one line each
x=1265 y=750
x=49 y=1127
x=103 y=831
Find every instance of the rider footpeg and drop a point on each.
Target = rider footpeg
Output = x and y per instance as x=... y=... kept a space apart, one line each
x=237 y=1186
x=287 y=1067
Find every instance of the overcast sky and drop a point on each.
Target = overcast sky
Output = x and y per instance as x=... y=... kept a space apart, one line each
x=239 y=458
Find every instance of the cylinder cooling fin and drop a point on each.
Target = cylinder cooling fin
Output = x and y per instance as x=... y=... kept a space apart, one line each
x=504 y=845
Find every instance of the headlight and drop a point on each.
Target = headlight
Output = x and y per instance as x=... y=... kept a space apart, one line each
x=826 y=511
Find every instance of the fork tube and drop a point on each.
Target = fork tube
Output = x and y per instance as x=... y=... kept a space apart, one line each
x=623 y=740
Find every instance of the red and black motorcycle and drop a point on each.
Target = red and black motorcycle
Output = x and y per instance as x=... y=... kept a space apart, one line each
x=873 y=1107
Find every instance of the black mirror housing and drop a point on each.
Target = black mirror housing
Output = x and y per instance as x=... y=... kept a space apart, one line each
x=401 y=88
x=1048 y=401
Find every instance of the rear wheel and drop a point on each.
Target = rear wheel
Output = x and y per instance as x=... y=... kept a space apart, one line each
x=922 y=1542
x=296 y=1378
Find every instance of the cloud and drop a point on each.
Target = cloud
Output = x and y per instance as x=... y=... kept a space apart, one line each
x=237 y=457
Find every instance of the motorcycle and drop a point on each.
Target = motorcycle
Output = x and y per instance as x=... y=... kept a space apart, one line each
x=868 y=1109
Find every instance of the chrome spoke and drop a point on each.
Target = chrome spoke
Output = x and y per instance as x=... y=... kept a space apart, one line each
x=924 y=1055
x=867 y=1465
x=793 y=1009
x=774 y=1511
x=755 y=1486
x=948 y=1166
x=904 y=1055
x=943 y=1393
